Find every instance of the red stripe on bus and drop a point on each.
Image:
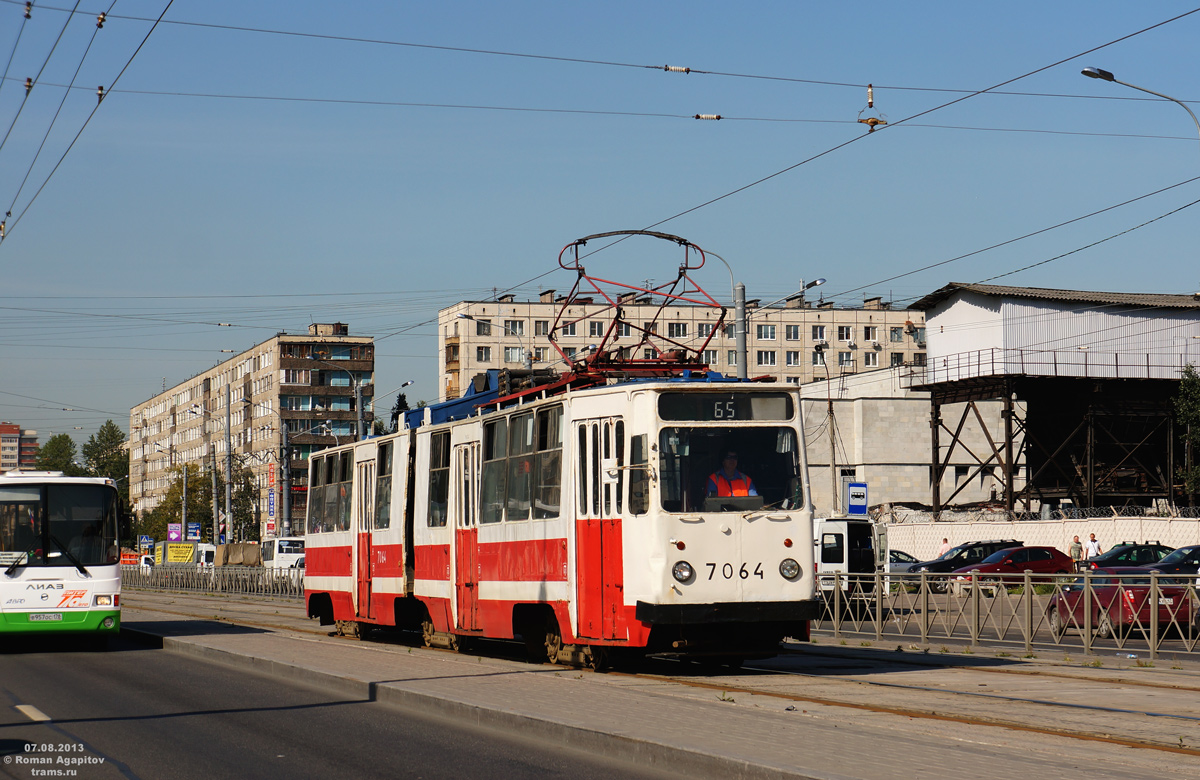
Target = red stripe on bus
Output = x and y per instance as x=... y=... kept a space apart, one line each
x=432 y=562
x=535 y=560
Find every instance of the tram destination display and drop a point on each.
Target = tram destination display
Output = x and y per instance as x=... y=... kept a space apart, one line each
x=720 y=407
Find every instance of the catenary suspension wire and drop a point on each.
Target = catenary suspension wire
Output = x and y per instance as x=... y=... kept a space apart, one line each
x=599 y=112
x=54 y=119
x=34 y=80
x=13 y=53
x=96 y=108
x=585 y=61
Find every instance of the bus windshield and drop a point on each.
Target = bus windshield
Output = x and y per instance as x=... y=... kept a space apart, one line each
x=729 y=469
x=58 y=525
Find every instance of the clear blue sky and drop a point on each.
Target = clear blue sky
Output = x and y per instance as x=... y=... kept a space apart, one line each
x=270 y=180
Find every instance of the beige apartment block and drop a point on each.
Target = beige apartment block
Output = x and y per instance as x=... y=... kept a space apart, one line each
x=319 y=385
x=796 y=343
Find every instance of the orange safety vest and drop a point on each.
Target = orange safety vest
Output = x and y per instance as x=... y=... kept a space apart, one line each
x=738 y=486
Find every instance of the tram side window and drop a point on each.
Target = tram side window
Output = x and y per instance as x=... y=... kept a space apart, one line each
x=620 y=447
x=833 y=548
x=439 y=478
x=331 y=493
x=581 y=459
x=639 y=476
x=316 y=496
x=345 y=490
x=520 y=466
x=492 y=489
x=383 y=486
x=548 y=463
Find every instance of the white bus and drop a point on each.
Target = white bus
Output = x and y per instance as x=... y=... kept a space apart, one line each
x=59 y=555
x=282 y=552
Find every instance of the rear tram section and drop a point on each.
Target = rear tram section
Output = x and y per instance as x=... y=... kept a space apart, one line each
x=580 y=522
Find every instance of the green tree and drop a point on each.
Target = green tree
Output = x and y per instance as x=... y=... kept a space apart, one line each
x=105 y=455
x=170 y=510
x=398 y=408
x=1187 y=414
x=58 y=454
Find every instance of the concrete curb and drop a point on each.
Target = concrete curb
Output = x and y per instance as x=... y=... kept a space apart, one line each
x=643 y=753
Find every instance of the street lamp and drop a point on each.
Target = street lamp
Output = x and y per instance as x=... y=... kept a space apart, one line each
x=739 y=316
x=356 y=383
x=1104 y=75
x=528 y=362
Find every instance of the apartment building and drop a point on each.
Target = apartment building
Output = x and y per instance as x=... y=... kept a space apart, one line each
x=318 y=385
x=795 y=343
x=18 y=448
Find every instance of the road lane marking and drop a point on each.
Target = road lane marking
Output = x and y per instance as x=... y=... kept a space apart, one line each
x=33 y=713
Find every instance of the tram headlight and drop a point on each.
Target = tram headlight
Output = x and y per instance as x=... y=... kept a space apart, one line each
x=789 y=569
x=104 y=601
x=682 y=571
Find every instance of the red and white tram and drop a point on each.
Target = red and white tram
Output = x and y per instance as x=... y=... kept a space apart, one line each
x=574 y=515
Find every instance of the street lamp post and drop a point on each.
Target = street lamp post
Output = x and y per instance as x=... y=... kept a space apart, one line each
x=528 y=354
x=356 y=383
x=1104 y=75
x=739 y=317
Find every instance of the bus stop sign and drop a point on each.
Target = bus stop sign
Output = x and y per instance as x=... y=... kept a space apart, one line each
x=856 y=499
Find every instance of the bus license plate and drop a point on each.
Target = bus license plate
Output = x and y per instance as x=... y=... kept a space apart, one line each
x=1166 y=600
x=45 y=616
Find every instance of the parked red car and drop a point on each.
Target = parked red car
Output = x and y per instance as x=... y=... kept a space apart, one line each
x=1120 y=602
x=1017 y=560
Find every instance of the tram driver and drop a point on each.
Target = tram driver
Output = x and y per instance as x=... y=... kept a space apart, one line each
x=728 y=481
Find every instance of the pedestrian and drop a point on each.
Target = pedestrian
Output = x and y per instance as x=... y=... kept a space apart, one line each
x=945 y=548
x=1093 y=547
x=1075 y=550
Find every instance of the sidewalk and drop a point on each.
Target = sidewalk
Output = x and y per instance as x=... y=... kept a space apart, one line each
x=697 y=732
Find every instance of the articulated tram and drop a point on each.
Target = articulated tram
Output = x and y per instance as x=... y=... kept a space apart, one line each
x=580 y=522
x=575 y=511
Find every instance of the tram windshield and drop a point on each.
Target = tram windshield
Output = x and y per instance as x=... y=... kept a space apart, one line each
x=58 y=525
x=698 y=474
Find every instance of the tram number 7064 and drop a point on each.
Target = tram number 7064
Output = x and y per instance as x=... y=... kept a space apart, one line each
x=728 y=571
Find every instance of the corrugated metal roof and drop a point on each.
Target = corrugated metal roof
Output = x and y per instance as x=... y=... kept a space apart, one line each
x=1156 y=300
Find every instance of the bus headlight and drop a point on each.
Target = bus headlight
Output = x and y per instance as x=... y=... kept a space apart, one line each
x=789 y=569
x=103 y=601
x=682 y=571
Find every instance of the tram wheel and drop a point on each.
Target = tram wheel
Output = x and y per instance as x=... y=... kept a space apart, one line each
x=553 y=640
x=599 y=658
x=427 y=630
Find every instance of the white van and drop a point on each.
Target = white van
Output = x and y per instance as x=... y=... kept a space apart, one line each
x=282 y=552
x=205 y=554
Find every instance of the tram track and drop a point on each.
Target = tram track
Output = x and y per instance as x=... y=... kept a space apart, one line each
x=928 y=702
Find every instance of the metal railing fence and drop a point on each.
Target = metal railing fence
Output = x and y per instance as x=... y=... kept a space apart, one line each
x=254 y=580
x=1092 y=612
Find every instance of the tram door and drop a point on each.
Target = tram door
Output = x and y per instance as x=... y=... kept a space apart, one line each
x=600 y=481
x=466 y=533
x=364 y=514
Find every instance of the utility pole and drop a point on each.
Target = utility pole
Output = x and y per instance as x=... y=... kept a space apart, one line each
x=358 y=424
x=228 y=458
x=285 y=481
x=216 y=503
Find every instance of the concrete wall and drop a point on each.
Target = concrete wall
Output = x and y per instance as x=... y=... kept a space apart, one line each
x=924 y=539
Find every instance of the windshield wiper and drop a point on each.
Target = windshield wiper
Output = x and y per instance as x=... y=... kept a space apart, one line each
x=82 y=569
x=23 y=558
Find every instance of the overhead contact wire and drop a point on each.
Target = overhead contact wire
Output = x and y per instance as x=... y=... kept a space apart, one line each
x=86 y=121
x=33 y=81
x=61 y=103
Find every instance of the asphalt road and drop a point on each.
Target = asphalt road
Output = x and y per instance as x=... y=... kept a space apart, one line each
x=136 y=712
